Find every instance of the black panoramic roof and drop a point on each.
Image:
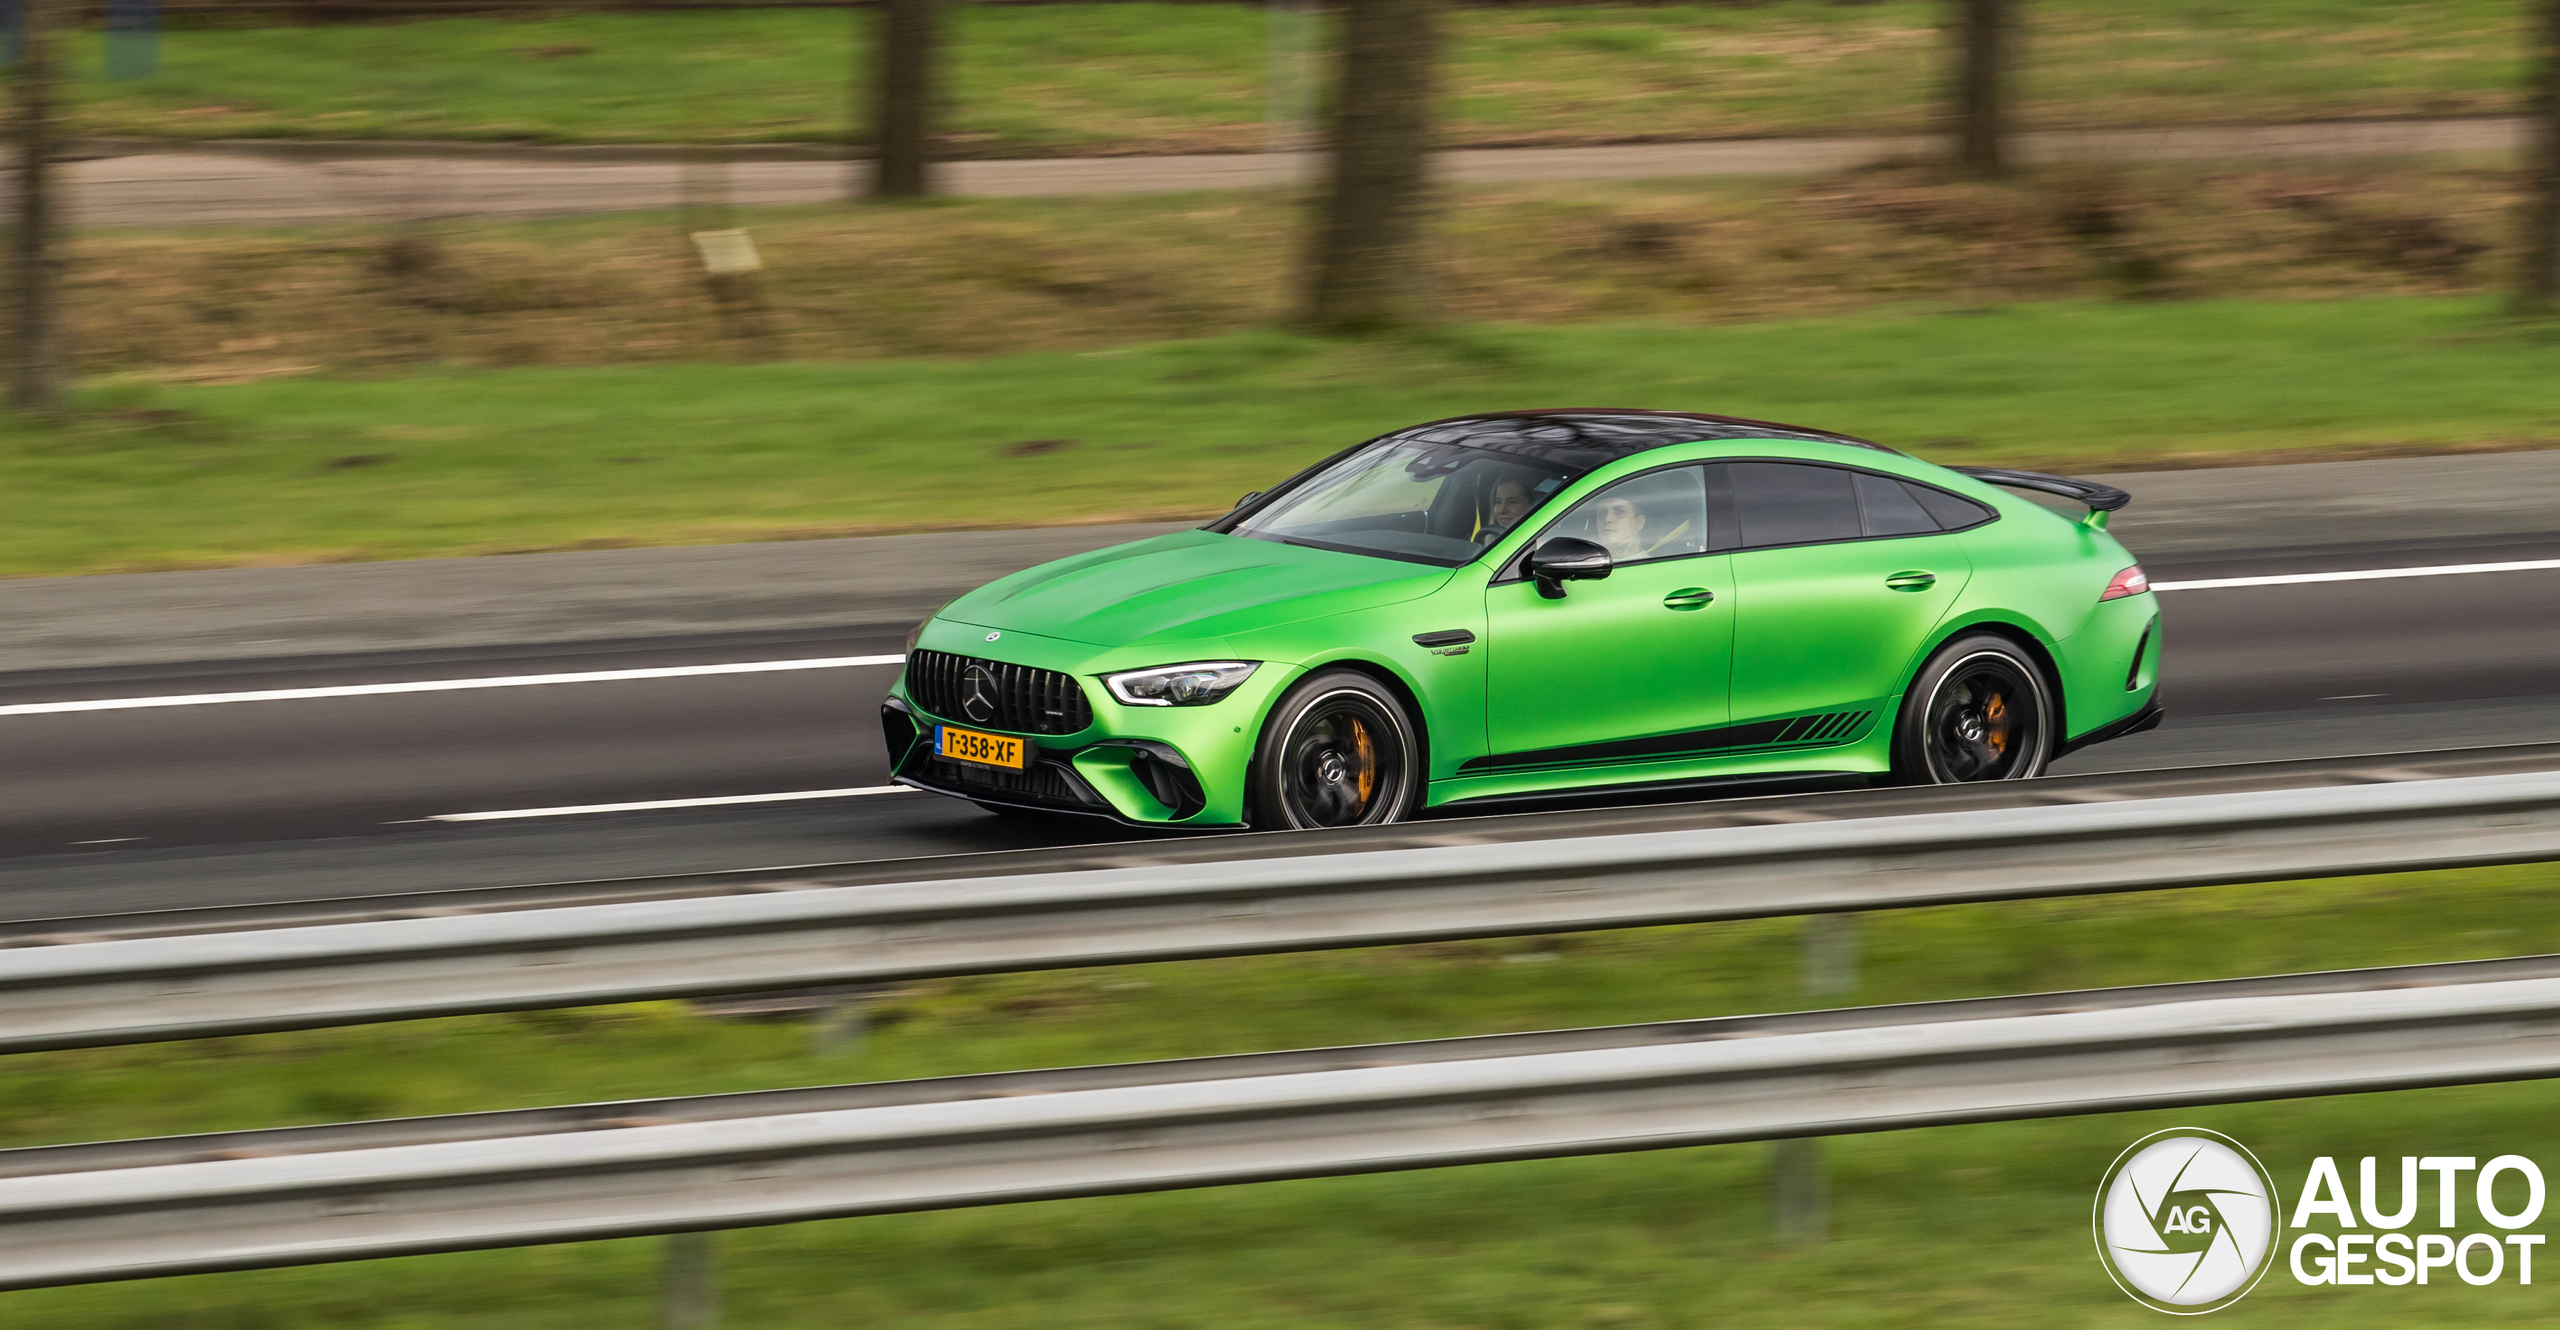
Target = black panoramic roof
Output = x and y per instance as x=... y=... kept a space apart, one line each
x=1579 y=440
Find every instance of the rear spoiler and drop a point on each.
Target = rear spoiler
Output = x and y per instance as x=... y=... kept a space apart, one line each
x=2100 y=499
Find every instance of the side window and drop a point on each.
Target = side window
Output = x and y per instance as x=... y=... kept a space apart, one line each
x=1782 y=503
x=1658 y=515
x=1890 y=509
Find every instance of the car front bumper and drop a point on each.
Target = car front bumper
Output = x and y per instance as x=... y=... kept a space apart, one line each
x=1140 y=766
x=1150 y=783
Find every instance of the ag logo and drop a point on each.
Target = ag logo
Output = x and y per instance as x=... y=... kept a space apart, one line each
x=2187 y=1221
x=978 y=694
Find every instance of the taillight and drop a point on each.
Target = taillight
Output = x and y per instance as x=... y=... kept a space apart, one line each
x=2130 y=582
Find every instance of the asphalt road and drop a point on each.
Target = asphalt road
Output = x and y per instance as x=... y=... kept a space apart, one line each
x=333 y=796
x=138 y=183
x=346 y=795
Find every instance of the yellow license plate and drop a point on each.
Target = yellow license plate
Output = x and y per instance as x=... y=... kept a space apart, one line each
x=991 y=750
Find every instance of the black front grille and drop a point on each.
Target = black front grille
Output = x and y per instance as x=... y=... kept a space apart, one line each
x=1027 y=701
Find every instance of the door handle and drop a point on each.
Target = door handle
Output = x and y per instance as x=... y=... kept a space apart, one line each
x=1688 y=598
x=1914 y=580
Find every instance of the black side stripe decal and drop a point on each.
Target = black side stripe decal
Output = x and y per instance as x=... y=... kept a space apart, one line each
x=1828 y=727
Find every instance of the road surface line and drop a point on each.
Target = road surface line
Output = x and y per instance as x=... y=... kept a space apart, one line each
x=650 y=804
x=2365 y=575
x=444 y=685
x=848 y=662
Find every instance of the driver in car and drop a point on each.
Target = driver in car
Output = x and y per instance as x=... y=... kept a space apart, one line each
x=1619 y=527
x=1507 y=505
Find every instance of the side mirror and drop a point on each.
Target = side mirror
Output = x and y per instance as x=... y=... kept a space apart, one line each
x=1567 y=559
x=1247 y=499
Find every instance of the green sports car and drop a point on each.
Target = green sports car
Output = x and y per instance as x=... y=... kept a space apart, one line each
x=1520 y=605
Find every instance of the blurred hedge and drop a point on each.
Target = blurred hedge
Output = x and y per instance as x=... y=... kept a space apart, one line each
x=369 y=11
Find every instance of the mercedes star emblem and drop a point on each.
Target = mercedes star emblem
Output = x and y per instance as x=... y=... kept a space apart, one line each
x=978 y=694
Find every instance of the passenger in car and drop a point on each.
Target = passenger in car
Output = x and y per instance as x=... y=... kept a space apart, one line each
x=1619 y=527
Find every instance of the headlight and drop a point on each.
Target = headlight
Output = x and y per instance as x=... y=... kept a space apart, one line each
x=1179 y=685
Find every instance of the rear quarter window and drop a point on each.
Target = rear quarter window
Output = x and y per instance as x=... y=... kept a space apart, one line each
x=1952 y=512
x=1891 y=508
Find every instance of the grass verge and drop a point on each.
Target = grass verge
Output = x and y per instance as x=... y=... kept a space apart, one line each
x=458 y=462
x=1190 y=78
x=1979 y=1225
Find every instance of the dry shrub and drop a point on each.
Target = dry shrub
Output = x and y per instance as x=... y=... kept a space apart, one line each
x=2380 y=232
x=981 y=277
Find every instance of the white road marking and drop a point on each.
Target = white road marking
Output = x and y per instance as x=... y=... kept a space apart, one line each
x=852 y=662
x=2364 y=575
x=650 y=804
x=444 y=685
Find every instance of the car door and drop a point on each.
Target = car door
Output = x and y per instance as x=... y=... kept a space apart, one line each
x=1839 y=578
x=1623 y=668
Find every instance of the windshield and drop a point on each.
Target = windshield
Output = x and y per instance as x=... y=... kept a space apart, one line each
x=1437 y=503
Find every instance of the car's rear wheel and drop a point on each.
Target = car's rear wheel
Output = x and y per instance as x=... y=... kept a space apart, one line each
x=1338 y=751
x=1980 y=710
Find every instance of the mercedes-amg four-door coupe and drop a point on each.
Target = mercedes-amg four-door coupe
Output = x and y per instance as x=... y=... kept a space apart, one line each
x=1526 y=604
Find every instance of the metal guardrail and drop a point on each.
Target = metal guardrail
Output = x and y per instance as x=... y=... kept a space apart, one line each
x=184 y=987
x=298 y=1196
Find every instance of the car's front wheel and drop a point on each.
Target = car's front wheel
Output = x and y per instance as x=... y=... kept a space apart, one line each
x=1980 y=710
x=1338 y=751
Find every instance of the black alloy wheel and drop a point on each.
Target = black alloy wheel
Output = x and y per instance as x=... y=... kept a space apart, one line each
x=1979 y=711
x=1337 y=752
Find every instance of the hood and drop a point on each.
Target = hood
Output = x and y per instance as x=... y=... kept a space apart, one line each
x=1190 y=584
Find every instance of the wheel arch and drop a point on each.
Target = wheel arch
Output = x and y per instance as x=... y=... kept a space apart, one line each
x=2017 y=634
x=1377 y=671
x=1406 y=695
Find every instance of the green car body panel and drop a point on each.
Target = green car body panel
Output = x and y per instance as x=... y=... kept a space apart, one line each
x=1714 y=666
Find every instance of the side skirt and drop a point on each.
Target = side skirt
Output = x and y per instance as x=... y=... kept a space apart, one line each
x=1868 y=755
x=1704 y=786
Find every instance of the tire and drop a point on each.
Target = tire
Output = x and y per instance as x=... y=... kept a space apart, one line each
x=1980 y=710
x=1338 y=751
